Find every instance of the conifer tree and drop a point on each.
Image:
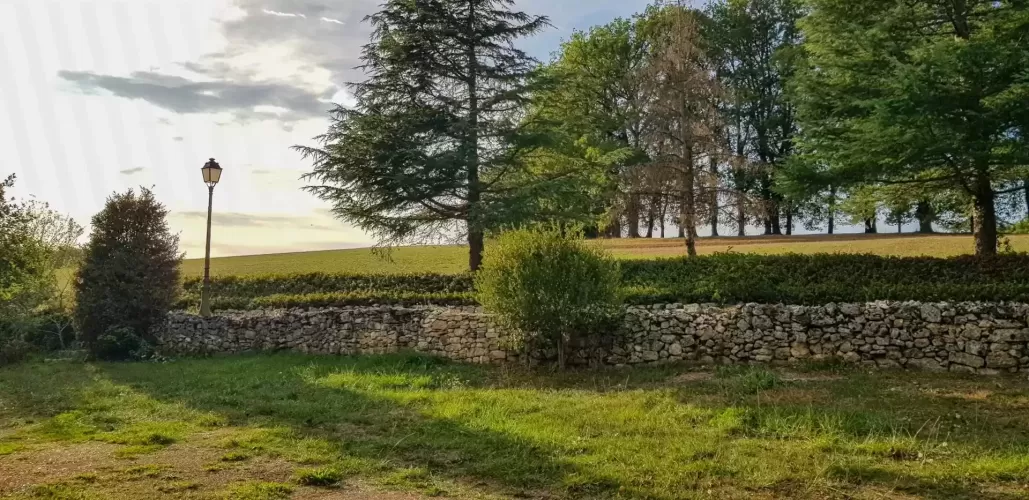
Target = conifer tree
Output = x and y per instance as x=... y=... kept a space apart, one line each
x=435 y=143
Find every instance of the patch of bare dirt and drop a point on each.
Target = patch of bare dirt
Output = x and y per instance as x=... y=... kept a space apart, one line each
x=185 y=470
x=357 y=492
x=810 y=377
x=22 y=469
x=689 y=377
x=795 y=395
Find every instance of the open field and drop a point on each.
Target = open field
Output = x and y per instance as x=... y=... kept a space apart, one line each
x=453 y=259
x=407 y=427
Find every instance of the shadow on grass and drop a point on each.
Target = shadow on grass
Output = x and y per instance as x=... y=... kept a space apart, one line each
x=364 y=408
x=896 y=482
x=410 y=415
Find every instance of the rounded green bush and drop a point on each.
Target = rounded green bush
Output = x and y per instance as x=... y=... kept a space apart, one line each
x=548 y=287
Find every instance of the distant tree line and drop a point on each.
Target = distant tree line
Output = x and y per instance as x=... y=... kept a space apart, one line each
x=774 y=114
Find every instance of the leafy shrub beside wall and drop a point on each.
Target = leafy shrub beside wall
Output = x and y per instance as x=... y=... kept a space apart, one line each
x=721 y=278
x=547 y=286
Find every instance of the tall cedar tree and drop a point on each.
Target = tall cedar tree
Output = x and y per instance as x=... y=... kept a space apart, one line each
x=430 y=147
x=919 y=92
x=129 y=275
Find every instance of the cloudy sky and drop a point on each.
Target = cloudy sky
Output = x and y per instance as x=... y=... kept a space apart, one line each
x=98 y=96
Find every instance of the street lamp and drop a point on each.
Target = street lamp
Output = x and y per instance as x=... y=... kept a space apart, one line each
x=212 y=174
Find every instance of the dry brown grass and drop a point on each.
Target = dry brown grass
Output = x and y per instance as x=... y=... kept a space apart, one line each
x=454 y=259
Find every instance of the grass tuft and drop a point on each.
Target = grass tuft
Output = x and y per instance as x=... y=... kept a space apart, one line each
x=234 y=456
x=325 y=476
x=257 y=490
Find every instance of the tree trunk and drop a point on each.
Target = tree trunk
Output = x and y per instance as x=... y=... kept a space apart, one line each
x=690 y=226
x=924 y=214
x=832 y=209
x=652 y=215
x=871 y=226
x=632 y=216
x=714 y=196
x=985 y=215
x=1025 y=185
x=664 y=214
x=561 y=352
x=741 y=216
x=614 y=229
x=900 y=227
x=689 y=202
x=475 y=247
x=789 y=221
x=475 y=233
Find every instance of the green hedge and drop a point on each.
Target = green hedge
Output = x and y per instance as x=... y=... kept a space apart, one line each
x=722 y=278
x=328 y=299
x=813 y=279
x=312 y=283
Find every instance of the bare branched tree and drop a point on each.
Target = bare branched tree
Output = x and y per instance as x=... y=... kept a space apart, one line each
x=686 y=115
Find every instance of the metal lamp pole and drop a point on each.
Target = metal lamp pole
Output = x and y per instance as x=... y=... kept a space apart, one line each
x=212 y=174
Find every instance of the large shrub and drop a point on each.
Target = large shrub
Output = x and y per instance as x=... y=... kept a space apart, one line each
x=548 y=287
x=129 y=277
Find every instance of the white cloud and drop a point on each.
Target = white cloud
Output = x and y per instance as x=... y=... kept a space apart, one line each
x=282 y=14
x=330 y=20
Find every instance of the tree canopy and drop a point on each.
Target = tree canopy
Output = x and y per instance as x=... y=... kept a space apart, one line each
x=918 y=92
x=738 y=113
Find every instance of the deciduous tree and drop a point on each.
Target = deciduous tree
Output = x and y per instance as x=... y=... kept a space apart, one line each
x=919 y=92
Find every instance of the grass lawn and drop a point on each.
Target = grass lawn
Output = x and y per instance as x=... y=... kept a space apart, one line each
x=408 y=427
x=454 y=259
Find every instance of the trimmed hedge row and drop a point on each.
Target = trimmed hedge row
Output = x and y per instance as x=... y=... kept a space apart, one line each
x=721 y=278
x=328 y=299
x=815 y=279
x=312 y=283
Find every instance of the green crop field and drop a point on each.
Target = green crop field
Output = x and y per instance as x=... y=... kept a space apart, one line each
x=453 y=259
x=405 y=427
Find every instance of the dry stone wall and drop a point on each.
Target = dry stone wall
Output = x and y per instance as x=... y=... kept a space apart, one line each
x=961 y=337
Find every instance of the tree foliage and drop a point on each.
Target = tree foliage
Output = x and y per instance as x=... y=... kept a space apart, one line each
x=25 y=273
x=129 y=276
x=596 y=112
x=754 y=44
x=436 y=137
x=26 y=277
x=919 y=92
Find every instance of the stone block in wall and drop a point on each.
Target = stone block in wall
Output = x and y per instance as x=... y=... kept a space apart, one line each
x=966 y=359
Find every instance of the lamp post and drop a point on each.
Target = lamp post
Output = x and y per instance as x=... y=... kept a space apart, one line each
x=212 y=174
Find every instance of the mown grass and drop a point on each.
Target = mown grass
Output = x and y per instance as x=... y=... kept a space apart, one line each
x=454 y=259
x=432 y=428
